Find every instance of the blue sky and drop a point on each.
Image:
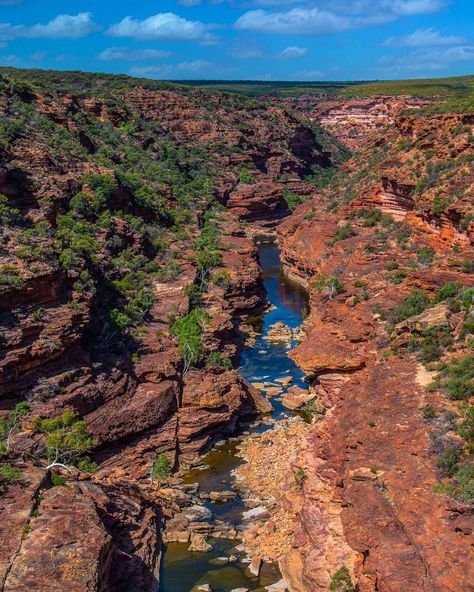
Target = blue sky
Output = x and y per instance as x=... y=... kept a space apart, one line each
x=242 y=39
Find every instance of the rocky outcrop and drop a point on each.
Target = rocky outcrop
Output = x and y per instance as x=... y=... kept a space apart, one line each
x=353 y=121
x=102 y=537
x=360 y=491
x=62 y=348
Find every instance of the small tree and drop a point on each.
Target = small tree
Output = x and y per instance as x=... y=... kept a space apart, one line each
x=67 y=441
x=188 y=331
x=206 y=260
x=9 y=426
x=161 y=468
x=341 y=581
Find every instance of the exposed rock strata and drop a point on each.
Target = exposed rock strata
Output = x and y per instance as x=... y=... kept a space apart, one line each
x=57 y=350
x=364 y=494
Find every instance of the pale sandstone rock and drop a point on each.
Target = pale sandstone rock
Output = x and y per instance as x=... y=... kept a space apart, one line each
x=199 y=543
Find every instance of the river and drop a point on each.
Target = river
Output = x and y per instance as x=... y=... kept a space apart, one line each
x=264 y=362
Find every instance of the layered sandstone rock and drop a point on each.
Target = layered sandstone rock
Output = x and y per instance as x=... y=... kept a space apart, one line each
x=369 y=467
x=80 y=537
x=353 y=121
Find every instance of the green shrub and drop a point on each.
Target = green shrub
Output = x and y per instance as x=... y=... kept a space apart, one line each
x=341 y=581
x=343 y=232
x=397 y=277
x=161 y=468
x=246 y=178
x=57 y=480
x=414 y=304
x=330 y=285
x=9 y=278
x=439 y=204
x=8 y=215
x=293 y=199
x=215 y=358
x=370 y=217
x=300 y=477
x=456 y=378
x=9 y=473
x=461 y=488
x=448 y=461
x=425 y=255
x=448 y=290
x=429 y=412
x=466 y=427
x=188 y=331
x=222 y=278
x=432 y=342
x=67 y=439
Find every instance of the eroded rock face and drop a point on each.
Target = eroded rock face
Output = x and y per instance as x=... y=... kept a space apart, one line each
x=61 y=351
x=80 y=537
x=366 y=495
x=354 y=121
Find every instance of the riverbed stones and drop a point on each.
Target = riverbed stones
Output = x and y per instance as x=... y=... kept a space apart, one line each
x=296 y=398
x=197 y=513
x=284 y=380
x=255 y=566
x=199 y=543
x=258 y=513
x=219 y=560
x=273 y=391
x=222 y=496
x=279 y=333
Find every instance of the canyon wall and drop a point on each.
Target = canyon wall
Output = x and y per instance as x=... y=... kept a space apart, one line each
x=105 y=207
x=365 y=486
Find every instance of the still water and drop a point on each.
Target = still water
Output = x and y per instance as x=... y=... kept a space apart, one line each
x=263 y=362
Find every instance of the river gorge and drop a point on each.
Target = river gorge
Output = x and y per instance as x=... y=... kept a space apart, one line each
x=236 y=339
x=265 y=362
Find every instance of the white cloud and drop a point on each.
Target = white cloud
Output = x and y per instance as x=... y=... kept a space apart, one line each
x=38 y=56
x=189 y=3
x=151 y=71
x=292 y=52
x=423 y=60
x=246 y=53
x=332 y=16
x=423 y=38
x=10 y=60
x=394 y=7
x=194 y=66
x=127 y=54
x=166 y=70
x=298 y=21
x=64 y=26
x=411 y=7
x=308 y=75
x=165 y=25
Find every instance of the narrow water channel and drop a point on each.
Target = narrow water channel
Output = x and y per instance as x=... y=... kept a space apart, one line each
x=265 y=362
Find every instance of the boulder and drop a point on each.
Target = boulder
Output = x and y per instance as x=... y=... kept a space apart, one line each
x=199 y=544
x=297 y=397
x=279 y=333
x=258 y=513
x=255 y=566
x=431 y=317
x=197 y=514
x=222 y=496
